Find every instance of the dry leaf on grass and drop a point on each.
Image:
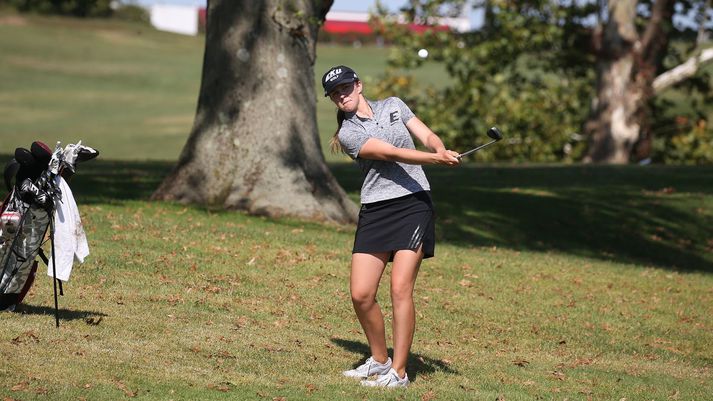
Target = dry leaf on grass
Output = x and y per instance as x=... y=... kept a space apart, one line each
x=121 y=386
x=21 y=386
x=26 y=337
x=558 y=375
x=521 y=362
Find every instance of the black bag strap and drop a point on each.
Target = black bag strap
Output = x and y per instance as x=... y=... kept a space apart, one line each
x=44 y=257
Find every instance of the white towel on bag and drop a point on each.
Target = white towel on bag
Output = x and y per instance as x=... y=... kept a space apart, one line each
x=70 y=241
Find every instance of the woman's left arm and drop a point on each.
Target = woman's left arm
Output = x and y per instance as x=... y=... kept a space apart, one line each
x=424 y=134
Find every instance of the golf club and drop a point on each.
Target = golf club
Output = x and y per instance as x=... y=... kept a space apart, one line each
x=494 y=133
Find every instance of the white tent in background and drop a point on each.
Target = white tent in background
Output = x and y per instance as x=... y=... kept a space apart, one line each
x=175 y=18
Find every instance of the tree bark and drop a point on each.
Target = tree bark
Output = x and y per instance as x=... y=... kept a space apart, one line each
x=626 y=68
x=254 y=144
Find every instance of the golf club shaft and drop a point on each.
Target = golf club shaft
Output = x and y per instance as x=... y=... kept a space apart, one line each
x=476 y=149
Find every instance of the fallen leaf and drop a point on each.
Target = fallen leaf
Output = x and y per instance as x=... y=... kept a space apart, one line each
x=28 y=336
x=311 y=388
x=520 y=362
x=21 y=386
x=428 y=396
x=121 y=386
x=558 y=375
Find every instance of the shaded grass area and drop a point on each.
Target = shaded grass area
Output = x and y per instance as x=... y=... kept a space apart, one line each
x=183 y=303
x=660 y=216
x=180 y=302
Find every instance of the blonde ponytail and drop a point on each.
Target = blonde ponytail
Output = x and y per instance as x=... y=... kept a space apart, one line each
x=334 y=144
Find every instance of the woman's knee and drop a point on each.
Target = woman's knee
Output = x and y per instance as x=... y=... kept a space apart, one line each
x=363 y=298
x=401 y=292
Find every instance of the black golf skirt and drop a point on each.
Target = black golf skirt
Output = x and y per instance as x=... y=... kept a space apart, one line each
x=395 y=224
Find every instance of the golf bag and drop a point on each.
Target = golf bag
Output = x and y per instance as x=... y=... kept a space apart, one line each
x=33 y=179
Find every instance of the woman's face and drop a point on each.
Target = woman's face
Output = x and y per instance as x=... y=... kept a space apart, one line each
x=346 y=96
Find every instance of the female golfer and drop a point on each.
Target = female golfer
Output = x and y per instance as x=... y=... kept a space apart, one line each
x=396 y=220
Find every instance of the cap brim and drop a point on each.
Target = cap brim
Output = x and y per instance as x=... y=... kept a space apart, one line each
x=333 y=85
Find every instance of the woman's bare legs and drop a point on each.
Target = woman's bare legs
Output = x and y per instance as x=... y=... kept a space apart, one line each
x=403 y=279
x=364 y=283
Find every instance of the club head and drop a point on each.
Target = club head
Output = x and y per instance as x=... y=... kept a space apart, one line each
x=494 y=133
x=41 y=152
x=25 y=158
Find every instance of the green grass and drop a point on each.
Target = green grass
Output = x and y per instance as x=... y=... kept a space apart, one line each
x=120 y=84
x=549 y=282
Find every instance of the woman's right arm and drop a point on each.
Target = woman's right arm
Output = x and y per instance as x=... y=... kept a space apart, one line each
x=376 y=149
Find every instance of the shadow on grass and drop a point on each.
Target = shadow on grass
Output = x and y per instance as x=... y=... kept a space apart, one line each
x=92 y=318
x=100 y=181
x=417 y=364
x=108 y=181
x=653 y=215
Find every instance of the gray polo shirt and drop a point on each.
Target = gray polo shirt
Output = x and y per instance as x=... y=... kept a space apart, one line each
x=383 y=179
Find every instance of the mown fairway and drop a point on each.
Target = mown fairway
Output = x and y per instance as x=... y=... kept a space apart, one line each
x=130 y=89
x=550 y=282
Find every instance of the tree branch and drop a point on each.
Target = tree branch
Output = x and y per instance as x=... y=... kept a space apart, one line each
x=682 y=71
x=654 y=37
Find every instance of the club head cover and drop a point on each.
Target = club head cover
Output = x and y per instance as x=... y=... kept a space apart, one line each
x=41 y=152
x=75 y=154
x=86 y=153
x=9 y=173
x=25 y=158
x=29 y=167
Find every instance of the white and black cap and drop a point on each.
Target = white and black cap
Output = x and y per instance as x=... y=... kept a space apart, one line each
x=335 y=76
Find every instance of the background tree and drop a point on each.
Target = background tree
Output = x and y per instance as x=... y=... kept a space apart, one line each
x=523 y=71
x=530 y=69
x=76 y=8
x=631 y=45
x=254 y=143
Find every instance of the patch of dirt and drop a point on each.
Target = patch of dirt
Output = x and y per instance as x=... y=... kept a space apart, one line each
x=13 y=20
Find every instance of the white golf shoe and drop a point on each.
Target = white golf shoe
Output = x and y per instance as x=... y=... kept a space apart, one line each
x=391 y=379
x=369 y=368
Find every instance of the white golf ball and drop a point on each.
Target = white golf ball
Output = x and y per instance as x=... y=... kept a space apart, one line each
x=423 y=53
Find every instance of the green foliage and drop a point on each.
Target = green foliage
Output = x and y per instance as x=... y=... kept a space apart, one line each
x=529 y=70
x=682 y=131
x=687 y=142
x=77 y=8
x=521 y=72
x=132 y=12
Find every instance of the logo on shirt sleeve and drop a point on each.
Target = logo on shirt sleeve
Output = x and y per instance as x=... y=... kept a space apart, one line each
x=394 y=117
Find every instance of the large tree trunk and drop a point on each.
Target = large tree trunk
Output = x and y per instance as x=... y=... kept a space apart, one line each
x=626 y=68
x=254 y=144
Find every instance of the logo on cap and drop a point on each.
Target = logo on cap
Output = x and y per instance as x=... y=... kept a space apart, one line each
x=332 y=75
